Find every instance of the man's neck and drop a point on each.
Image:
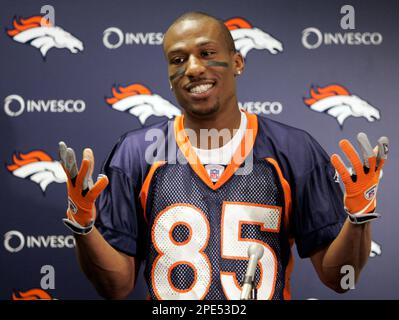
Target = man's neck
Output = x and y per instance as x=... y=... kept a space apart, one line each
x=228 y=118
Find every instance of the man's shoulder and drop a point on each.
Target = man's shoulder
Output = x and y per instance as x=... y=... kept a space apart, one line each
x=288 y=143
x=268 y=124
x=281 y=133
x=130 y=152
x=137 y=136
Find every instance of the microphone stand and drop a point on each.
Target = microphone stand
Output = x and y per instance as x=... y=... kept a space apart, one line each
x=249 y=291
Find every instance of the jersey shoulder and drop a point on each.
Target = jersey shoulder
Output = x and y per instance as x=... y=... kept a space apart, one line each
x=130 y=154
x=282 y=133
x=294 y=146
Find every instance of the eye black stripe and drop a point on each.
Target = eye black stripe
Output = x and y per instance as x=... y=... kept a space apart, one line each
x=218 y=64
x=178 y=73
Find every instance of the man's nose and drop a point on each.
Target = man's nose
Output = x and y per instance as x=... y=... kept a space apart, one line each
x=194 y=67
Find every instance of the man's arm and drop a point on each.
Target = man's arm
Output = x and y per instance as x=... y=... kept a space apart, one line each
x=353 y=244
x=112 y=273
x=351 y=247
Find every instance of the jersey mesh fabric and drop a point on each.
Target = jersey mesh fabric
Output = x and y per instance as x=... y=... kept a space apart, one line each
x=178 y=184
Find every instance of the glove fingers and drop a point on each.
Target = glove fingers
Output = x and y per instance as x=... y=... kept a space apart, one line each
x=99 y=186
x=341 y=169
x=382 y=155
x=366 y=148
x=71 y=163
x=88 y=180
x=352 y=155
x=62 y=152
x=82 y=173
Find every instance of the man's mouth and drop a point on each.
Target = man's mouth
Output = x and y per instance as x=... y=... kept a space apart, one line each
x=201 y=88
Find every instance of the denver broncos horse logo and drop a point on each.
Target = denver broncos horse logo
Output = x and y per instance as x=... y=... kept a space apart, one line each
x=247 y=37
x=336 y=101
x=38 y=166
x=33 y=294
x=41 y=34
x=139 y=101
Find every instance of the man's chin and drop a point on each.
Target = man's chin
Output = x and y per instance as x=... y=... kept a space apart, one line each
x=203 y=111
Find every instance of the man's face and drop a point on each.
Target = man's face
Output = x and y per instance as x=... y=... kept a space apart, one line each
x=201 y=67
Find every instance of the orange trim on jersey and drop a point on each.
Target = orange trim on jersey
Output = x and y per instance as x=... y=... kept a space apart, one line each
x=287 y=215
x=288 y=271
x=239 y=156
x=190 y=235
x=146 y=186
x=170 y=276
x=286 y=190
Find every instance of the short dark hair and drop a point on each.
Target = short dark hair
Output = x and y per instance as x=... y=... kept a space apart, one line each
x=198 y=15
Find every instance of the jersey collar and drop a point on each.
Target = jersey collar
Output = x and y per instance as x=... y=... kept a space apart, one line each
x=245 y=147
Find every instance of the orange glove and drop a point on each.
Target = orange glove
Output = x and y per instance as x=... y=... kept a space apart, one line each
x=361 y=187
x=82 y=193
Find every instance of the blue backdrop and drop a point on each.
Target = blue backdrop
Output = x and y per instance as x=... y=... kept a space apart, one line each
x=60 y=81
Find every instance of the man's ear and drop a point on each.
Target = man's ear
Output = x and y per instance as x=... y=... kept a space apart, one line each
x=239 y=63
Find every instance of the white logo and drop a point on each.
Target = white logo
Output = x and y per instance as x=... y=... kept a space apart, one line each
x=7 y=105
x=31 y=242
x=12 y=247
x=113 y=38
x=139 y=101
x=246 y=37
x=38 y=167
x=312 y=38
x=262 y=107
x=15 y=105
x=317 y=35
x=336 y=101
x=110 y=31
x=41 y=34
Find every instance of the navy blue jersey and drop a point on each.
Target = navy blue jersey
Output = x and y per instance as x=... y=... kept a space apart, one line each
x=162 y=207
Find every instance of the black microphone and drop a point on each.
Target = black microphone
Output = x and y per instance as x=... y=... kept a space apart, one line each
x=255 y=252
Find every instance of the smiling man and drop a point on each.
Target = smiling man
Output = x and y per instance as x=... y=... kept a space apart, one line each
x=192 y=212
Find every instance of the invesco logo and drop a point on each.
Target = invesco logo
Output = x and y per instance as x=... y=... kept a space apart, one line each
x=15 y=241
x=7 y=105
x=9 y=236
x=15 y=105
x=313 y=38
x=113 y=31
x=113 y=38
x=305 y=38
x=262 y=107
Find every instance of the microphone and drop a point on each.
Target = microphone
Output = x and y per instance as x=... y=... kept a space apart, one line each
x=248 y=291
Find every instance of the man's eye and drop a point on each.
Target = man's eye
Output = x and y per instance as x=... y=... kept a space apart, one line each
x=177 y=60
x=207 y=53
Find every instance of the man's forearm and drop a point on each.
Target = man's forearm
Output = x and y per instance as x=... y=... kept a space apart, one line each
x=111 y=272
x=351 y=247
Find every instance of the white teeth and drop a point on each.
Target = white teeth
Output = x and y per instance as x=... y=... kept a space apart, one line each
x=201 y=88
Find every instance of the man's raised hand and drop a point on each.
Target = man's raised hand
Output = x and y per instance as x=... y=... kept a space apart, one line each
x=82 y=191
x=361 y=186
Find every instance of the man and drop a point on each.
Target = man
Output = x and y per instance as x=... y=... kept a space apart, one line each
x=191 y=213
